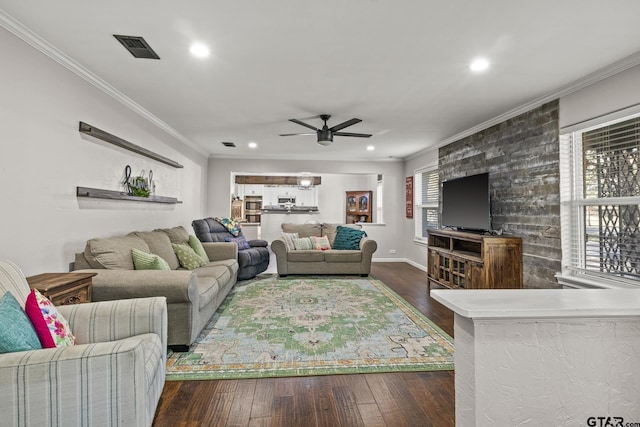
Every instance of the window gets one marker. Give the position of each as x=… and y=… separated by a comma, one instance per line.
x=600, y=201
x=379, y=198
x=426, y=194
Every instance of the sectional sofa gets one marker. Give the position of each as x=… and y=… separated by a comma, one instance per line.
x=192, y=295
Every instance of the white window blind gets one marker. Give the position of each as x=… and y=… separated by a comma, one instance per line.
x=600, y=201
x=379, y=199
x=426, y=196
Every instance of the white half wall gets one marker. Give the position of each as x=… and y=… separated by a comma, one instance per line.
x=43, y=158
x=337, y=177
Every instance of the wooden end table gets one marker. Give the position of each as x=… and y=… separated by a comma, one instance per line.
x=63, y=288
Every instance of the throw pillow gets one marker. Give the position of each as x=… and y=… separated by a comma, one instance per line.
x=303, y=244
x=240, y=241
x=16, y=331
x=288, y=240
x=321, y=243
x=188, y=258
x=52, y=328
x=197, y=247
x=348, y=238
x=145, y=261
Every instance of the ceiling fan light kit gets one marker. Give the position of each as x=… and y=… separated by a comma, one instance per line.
x=325, y=134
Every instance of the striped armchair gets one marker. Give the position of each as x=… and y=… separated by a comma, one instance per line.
x=113, y=376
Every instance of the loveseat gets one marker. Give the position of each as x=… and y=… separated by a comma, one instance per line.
x=328, y=260
x=192, y=295
x=253, y=259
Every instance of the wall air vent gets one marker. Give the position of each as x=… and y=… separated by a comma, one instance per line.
x=228, y=144
x=138, y=47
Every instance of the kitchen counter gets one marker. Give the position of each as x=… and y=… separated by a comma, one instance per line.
x=292, y=209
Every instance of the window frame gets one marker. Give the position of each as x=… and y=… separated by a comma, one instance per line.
x=419, y=235
x=573, y=203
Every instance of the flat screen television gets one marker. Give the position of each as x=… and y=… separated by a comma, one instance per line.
x=466, y=204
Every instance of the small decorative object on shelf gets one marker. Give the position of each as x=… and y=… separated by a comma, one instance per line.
x=138, y=186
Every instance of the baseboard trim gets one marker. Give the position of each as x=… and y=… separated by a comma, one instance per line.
x=408, y=261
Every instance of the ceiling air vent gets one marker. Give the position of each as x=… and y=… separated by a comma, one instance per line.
x=228, y=144
x=138, y=47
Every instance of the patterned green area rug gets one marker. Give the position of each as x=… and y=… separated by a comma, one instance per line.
x=297, y=326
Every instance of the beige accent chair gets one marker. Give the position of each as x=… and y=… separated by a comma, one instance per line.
x=113, y=376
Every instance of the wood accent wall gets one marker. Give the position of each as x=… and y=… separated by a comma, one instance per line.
x=522, y=157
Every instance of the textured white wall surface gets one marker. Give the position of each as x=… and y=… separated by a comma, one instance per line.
x=559, y=369
x=43, y=158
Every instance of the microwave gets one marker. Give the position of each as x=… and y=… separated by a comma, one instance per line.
x=283, y=201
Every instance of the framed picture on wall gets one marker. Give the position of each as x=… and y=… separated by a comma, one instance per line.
x=409, y=196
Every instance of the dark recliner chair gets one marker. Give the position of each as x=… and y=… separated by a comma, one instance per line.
x=252, y=261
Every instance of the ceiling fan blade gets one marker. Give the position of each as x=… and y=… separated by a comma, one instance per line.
x=344, y=125
x=359, y=135
x=293, y=134
x=303, y=124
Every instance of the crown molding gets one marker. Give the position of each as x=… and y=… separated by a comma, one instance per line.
x=599, y=75
x=25, y=34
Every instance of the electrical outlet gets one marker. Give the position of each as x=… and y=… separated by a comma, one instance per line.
x=392, y=251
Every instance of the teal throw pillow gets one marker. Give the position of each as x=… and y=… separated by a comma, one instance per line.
x=197, y=247
x=348, y=238
x=16, y=331
x=145, y=261
x=188, y=258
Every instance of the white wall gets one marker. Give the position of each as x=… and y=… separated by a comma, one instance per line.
x=336, y=180
x=609, y=95
x=43, y=158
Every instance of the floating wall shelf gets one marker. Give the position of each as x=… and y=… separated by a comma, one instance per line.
x=97, y=193
x=112, y=139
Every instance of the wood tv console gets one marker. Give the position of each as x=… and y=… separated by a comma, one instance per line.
x=458, y=260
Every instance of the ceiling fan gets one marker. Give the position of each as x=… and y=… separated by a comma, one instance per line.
x=326, y=134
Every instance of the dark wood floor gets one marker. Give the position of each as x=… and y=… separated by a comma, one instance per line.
x=398, y=399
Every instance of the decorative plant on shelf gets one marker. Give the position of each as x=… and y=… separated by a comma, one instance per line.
x=140, y=187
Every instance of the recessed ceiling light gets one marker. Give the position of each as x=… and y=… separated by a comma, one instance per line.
x=479, y=64
x=253, y=144
x=200, y=50
x=370, y=148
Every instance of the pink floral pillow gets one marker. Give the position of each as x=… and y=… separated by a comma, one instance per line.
x=321, y=243
x=51, y=327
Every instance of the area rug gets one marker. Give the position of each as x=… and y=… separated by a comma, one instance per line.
x=298, y=326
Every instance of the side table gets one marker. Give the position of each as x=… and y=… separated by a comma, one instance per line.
x=63, y=288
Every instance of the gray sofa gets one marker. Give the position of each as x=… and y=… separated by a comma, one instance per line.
x=192, y=295
x=332, y=261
